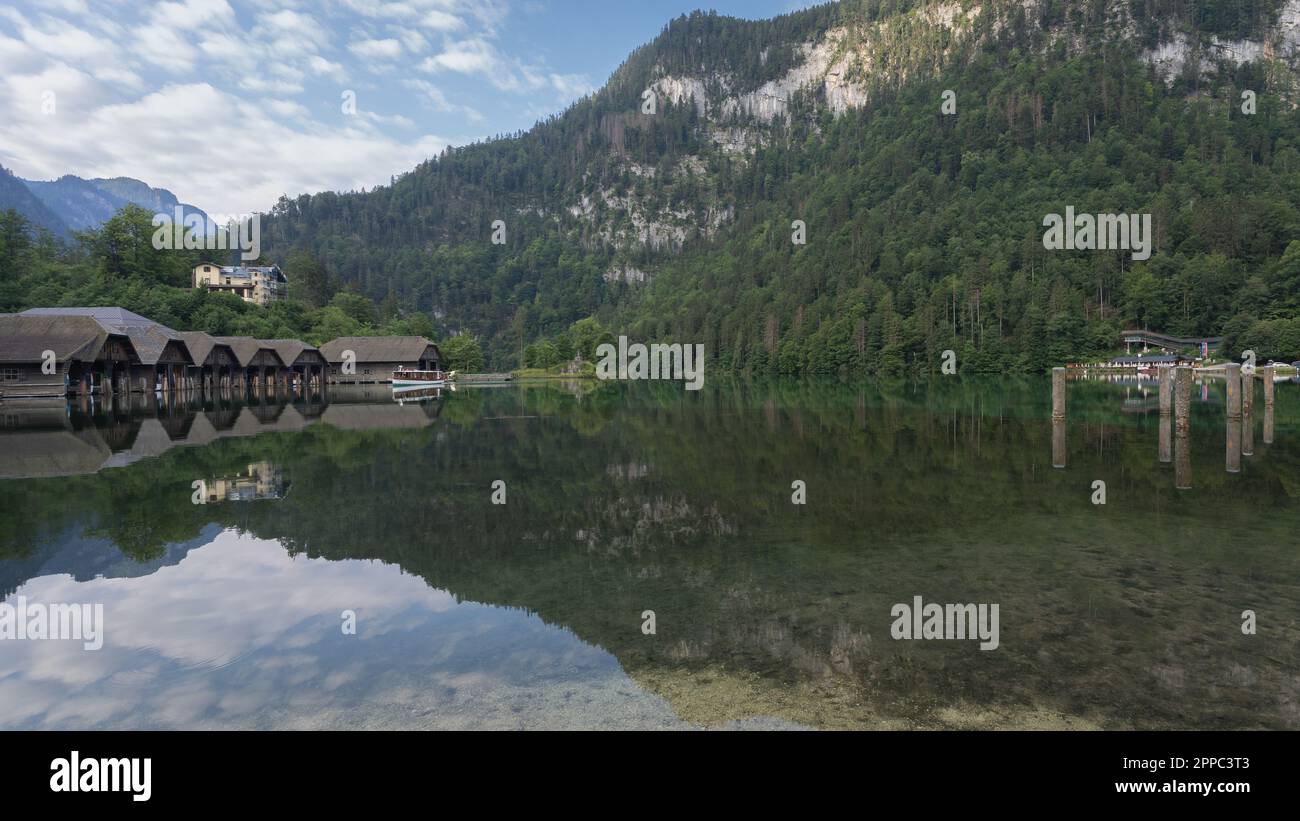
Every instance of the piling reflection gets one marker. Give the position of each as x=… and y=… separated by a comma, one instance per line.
x=1234, y=444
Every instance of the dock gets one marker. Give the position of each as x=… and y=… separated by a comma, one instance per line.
x=483, y=378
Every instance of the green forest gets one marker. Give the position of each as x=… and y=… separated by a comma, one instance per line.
x=923, y=228
x=118, y=265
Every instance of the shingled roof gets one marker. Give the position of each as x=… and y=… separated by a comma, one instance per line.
x=149, y=338
x=200, y=345
x=290, y=349
x=26, y=338
x=379, y=348
x=245, y=348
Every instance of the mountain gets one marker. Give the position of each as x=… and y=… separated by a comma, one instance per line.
x=15, y=194
x=920, y=144
x=84, y=204
x=71, y=203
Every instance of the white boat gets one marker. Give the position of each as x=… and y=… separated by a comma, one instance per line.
x=407, y=379
x=406, y=396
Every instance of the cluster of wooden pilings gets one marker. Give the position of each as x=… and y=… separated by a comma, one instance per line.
x=1176, y=417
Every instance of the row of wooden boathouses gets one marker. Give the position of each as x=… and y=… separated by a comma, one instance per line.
x=53, y=352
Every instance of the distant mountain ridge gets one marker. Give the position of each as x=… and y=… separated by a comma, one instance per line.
x=72, y=203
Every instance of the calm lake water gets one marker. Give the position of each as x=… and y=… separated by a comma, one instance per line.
x=622, y=499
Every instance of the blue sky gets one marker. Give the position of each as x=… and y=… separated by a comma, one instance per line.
x=231, y=103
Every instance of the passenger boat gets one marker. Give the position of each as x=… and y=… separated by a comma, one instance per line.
x=405, y=379
x=406, y=396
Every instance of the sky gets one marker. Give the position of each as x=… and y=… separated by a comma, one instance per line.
x=230, y=104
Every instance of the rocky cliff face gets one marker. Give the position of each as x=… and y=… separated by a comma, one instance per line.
x=846, y=66
x=843, y=68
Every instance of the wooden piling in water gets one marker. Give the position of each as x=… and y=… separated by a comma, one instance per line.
x=1182, y=400
x=1247, y=414
x=1182, y=427
x=1234, y=445
x=1234, y=391
x=1182, y=463
x=1058, y=393
x=1166, y=412
x=1058, y=443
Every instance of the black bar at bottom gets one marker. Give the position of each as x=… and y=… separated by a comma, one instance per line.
x=331, y=770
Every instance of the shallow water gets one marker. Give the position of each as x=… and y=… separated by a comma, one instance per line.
x=622, y=499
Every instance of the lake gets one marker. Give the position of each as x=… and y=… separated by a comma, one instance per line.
x=632, y=556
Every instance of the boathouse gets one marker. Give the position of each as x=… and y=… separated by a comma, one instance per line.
x=53, y=355
x=163, y=357
x=214, y=367
x=257, y=364
x=306, y=364
x=371, y=359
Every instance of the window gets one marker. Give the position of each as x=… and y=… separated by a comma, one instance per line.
x=11, y=375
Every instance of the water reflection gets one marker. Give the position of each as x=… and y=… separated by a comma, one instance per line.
x=631, y=498
x=268, y=652
x=43, y=438
x=260, y=480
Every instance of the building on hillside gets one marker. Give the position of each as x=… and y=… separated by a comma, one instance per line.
x=371, y=359
x=259, y=285
x=53, y=355
x=164, y=359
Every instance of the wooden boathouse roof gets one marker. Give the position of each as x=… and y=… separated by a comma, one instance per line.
x=201, y=345
x=289, y=350
x=150, y=339
x=24, y=338
x=380, y=348
x=246, y=348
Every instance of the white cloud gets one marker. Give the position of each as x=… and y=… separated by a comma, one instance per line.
x=319, y=65
x=439, y=20
x=295, y=28
x=388, y=49
x=175, y=137
x=167, y=91
x=162, y=46
x=433, y=96
x=476, y=56
x=473, y=56
x=70, y=43
x=572, y=86
x=413, y=41
x=192, y=13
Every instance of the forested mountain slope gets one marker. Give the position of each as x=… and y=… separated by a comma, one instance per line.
x=663, y=204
